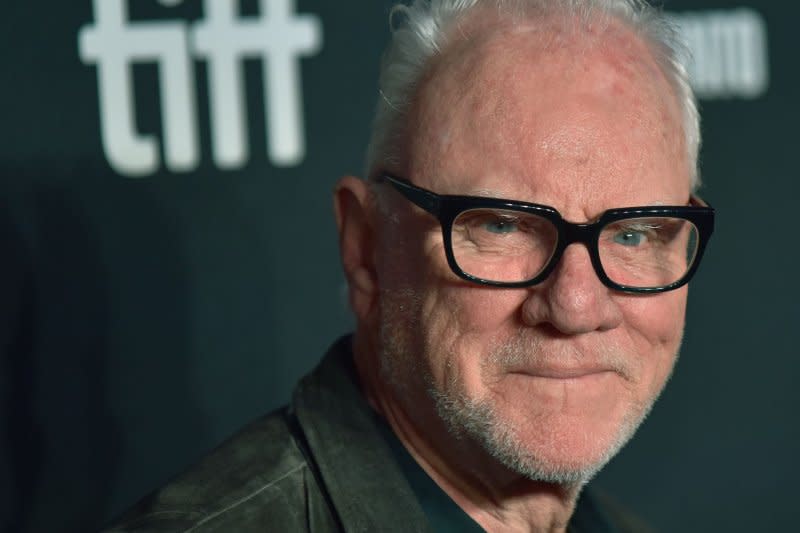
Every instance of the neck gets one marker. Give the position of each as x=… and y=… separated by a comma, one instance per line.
x=495, y=497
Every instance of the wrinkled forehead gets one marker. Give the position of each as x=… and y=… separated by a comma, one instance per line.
x=479, y=93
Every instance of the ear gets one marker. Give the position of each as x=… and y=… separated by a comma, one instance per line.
x=356, y=244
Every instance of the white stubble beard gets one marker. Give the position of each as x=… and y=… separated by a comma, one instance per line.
x=477, y=419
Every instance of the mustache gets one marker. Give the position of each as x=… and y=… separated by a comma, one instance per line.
x=529, y=349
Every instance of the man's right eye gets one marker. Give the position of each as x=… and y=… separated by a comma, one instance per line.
x=501, y=226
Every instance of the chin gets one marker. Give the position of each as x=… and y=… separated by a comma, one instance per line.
x=554, y=448
x=566, y=453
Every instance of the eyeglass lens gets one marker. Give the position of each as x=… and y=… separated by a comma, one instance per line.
x=512, y=246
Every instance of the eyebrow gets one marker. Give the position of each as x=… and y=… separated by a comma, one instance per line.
x=486, y=192
x=489, y=193
x=494, y=193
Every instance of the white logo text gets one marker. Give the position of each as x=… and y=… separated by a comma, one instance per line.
x=277, y=37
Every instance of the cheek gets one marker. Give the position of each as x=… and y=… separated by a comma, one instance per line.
x=655, y=326
x=463, y=322
x=451, y=323
x=474, y=310
x=658, y=318
x=450, y=307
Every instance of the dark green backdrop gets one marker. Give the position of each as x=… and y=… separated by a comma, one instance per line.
x=144, y=318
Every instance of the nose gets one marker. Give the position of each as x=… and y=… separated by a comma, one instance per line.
x=573, y=299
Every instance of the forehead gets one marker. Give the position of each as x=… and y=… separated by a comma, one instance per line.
x=532, y=112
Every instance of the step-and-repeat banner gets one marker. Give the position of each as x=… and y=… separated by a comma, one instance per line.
x=169, y=263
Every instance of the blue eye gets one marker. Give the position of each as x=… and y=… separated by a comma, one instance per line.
x=629, y=238
x=500, y=226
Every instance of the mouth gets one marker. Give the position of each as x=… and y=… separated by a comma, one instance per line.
x=563, y=373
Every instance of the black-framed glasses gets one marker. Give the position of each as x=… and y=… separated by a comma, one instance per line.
x=508, y=243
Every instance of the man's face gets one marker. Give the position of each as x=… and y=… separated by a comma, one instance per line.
x=550, y=379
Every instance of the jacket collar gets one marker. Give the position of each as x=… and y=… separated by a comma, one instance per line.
x=359, y=472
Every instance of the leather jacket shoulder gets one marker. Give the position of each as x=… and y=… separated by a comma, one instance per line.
x=318, y=465
x=258, y=479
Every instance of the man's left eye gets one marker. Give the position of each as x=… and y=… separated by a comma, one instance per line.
x=629, y=238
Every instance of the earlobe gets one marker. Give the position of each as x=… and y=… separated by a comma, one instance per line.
x=356, y=243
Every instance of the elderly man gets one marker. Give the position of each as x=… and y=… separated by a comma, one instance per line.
x=517, y=264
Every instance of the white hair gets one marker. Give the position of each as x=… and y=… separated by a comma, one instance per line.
x=420, y=30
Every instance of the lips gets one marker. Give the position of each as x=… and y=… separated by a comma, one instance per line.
x=564, y=359
x=561, y=372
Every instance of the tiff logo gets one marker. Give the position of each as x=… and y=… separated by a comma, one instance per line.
x=277, y=37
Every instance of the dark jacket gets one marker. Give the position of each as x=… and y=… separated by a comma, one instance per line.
x=319, y=465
